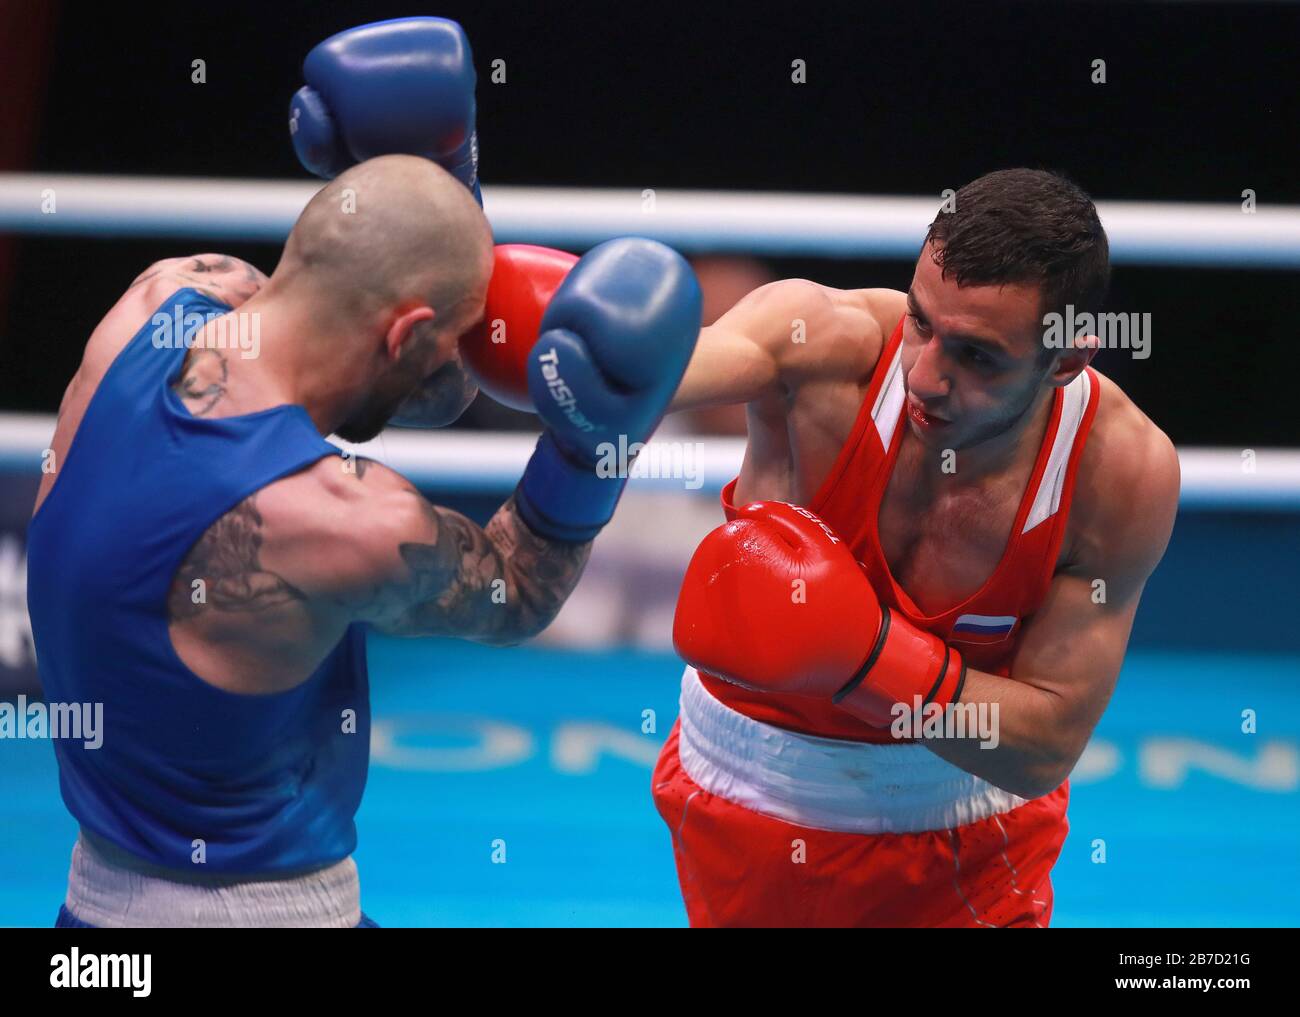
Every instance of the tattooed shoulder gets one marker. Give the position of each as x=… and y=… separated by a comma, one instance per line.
x=218, y=276
x=203, y=379
x=223, y=570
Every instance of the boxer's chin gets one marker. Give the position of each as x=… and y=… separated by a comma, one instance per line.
x=361, y=430
x=367, y=422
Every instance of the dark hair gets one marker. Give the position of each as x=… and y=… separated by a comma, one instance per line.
x=1022, y=226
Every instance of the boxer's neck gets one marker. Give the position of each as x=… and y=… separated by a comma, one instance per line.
x=302, y=356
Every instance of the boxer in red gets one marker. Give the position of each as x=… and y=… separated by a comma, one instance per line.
x=981, y=510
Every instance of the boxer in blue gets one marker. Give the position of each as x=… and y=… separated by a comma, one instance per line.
x=205, y=564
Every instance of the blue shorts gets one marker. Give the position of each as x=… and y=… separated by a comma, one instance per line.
x=67, y=920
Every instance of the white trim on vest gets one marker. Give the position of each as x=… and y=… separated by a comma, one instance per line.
x=1047, y=499
x=888, y=410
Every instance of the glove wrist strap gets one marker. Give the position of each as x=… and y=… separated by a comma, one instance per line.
x=561, y=499
x=904, y=664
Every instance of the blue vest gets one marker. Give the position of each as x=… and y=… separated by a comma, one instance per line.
x=267, y=783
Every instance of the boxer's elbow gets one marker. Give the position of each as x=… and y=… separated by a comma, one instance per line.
x=534, y=611
x=521, y=610
x=1045, y=772
x=1028, y=770
x=535, y=580
x=1049, y=758
x=517, y=630
x=1037, y=781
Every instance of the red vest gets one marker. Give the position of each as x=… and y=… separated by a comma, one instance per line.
x=986, y=626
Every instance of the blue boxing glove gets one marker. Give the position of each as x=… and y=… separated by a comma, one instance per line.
x=614, y=343
x=404, y=86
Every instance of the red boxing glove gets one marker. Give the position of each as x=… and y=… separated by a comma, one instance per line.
x=775, y=601
x=524, y=279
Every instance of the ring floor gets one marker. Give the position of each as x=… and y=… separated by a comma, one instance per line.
x=511, y=787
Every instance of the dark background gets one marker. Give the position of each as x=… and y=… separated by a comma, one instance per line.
x=1201, y=102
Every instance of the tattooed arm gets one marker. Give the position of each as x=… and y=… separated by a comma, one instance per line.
x=218, y=276
x=501, y=584
x=419, y=569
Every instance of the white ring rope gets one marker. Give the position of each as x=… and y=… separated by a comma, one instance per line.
x=762, y=223
x=824, y=225
x=491, y=462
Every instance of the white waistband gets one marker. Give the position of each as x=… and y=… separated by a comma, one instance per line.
x=112, y=897
x=826, y=783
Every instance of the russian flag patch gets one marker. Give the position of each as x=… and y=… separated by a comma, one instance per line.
x=982, y=628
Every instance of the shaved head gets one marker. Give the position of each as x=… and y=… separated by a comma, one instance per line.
x=390, y=264
x=393, y=229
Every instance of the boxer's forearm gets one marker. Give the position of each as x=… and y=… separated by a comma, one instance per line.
x=725, y=369
x=542, y=573
x=1017, y=742
x=500, y=584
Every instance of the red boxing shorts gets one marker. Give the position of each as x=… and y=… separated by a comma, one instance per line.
x=775, y=828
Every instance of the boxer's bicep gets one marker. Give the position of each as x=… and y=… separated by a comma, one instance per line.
x=1061, y=680
x=1071, y=652
x=1074, y=645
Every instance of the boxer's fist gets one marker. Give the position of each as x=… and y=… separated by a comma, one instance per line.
x=497, y=351
x=404, y=86
x=775, y=601
x=614, y=343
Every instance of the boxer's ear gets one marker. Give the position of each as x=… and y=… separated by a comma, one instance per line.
x=403, y=328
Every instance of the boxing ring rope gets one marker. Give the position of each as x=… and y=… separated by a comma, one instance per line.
x=818, y=225
x=490, y=462
x=757, y=223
